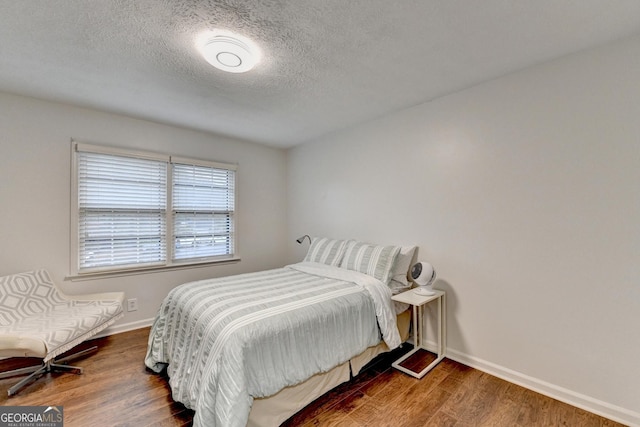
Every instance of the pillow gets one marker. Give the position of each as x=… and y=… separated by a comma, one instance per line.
x=399, y=281
x=376, y=261
x=326, y=251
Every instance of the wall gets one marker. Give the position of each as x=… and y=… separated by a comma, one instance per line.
x=35, y=170
x=524, y=193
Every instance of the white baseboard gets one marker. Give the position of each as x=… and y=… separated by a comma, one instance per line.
x=125, y=327
x=607, y=410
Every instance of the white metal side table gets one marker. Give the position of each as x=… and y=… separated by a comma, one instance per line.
x=418, y=303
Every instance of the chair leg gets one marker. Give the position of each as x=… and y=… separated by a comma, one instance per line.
x=76, y=355
x=56, y=365
x=34, y=376
x=19, y=371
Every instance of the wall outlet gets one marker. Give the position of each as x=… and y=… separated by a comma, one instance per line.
x=132, y=304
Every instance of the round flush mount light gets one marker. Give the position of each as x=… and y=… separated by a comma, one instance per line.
x=229, y=52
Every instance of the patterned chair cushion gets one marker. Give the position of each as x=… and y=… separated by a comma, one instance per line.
x=33, y=310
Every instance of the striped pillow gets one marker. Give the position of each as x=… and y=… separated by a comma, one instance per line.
x=376, y=261
x=326, y=251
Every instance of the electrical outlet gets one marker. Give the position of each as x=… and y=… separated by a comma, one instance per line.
x=132, y=304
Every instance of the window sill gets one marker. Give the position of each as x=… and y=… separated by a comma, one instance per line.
x=147, y=270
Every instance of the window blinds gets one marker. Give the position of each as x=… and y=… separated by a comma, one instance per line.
x=140, y=210
x=203, y=205
x=121, y=211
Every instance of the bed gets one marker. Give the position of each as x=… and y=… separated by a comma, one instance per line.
x=254, y=348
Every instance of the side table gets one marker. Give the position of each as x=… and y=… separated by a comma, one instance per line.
x=419, y=303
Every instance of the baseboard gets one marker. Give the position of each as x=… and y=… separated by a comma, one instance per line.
x=125, y=327
x=581, y=401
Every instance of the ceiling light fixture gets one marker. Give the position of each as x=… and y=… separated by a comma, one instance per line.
x=229, y=52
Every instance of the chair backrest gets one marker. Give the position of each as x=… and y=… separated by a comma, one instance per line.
x=26, y=293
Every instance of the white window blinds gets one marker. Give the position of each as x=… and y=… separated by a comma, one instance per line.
x=203, y=205
x=121, y=211
x=139, y=210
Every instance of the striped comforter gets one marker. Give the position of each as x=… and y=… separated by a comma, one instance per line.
x=226, y=341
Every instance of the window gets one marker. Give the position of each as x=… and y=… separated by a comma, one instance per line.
x=143, y=210
x=203, y=201
x=121, y=211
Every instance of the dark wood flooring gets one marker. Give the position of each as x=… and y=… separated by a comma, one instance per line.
x=117, y=390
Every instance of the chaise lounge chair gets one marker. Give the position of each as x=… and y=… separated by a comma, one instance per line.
x=38, y=320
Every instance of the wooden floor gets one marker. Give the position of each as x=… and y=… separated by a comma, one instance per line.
x=117, y=390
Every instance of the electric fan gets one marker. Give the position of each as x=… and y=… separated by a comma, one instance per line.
x=423, y=275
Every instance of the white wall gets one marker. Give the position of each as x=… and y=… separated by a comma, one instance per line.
x=524, y=193
x=35, y=169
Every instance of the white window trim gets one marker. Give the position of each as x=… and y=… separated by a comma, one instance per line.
x=76, y=274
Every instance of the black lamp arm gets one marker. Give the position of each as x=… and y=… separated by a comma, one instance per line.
x=301, y=239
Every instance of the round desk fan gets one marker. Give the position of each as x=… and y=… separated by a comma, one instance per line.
x=423, y=275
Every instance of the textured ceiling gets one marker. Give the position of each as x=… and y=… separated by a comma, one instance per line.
x=327, y=64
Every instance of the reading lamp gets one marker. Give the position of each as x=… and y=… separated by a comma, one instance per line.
x=423, y=275
x=301, y=239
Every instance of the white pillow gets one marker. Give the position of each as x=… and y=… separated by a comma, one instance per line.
x=326, y=251
x=399, y=281
x=374, y=260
